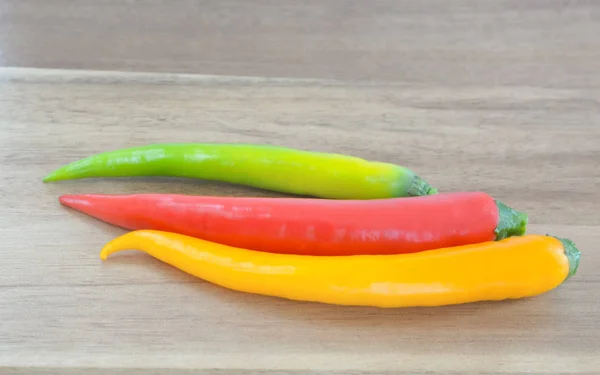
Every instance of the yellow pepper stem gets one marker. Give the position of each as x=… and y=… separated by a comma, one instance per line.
x=572, y=253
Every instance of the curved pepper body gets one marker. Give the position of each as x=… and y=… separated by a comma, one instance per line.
x=272, y=168
x=313, y=226
x=515, y=267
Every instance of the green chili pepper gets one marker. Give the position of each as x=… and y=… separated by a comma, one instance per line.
x=281, y=169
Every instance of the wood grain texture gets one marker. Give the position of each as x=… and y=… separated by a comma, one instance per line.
x=549, y=43
x=62, y=309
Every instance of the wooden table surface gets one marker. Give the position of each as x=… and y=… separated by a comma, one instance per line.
x=499, y=96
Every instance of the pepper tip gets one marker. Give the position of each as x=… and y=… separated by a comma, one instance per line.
x=120, y=243
x=52, y=176
x=103, y=255
x=68, y=200
x=108, y=249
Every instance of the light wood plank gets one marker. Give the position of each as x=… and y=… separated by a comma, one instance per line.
x=548, y=43
x=62, y=308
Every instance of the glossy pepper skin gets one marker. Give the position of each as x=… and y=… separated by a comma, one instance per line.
x=515, y=267
x=313, y=226
x=281, y=169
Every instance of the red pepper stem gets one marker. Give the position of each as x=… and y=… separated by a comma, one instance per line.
x=510, y=222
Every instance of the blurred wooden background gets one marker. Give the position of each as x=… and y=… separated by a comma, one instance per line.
x=501, y=96
x=547, y=43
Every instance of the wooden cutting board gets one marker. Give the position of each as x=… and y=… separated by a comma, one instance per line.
x=63, y=310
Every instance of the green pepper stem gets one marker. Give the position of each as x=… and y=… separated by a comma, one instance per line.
x=572, y=254
x=420, y=187
x=510, y=222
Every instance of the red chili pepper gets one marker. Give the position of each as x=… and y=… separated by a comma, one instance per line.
x=314, y=226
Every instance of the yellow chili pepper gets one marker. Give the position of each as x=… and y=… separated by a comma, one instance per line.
x=515, y=267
